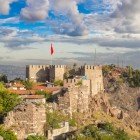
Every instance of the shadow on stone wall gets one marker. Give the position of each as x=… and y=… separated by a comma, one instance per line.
x=138, y=100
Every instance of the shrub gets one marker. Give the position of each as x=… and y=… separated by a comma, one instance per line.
x=72, y=122
x=121, y=135
x=91, y=131
x=107, y=127
x=79, y=83
x=3, y=78
x=2, y=87
x=102, y=132
x=58, y=83
x=45, y=93
x=8, y=101
x=7, y=134
x=54, y=119
x=35, y=137
x=28, y=84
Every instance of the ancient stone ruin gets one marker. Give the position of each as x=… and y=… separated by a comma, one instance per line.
x=28, y=118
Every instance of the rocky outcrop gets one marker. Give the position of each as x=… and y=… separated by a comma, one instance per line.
x=101, y=102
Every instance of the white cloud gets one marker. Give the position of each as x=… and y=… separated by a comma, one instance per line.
x=69, y=8
x=5, y=6
x=35, y=10
x=129, y=12
x=38, y=10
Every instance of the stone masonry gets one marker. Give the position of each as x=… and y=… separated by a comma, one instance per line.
x=76, y=98
x=27, y=118
x=37, y=73
x=43, y=73
x=93, y=73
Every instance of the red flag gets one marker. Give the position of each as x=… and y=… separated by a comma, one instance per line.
x=52, y=50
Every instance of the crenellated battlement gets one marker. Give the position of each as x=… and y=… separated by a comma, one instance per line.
x=72, y=81
x=92, y=67
x=58, y=66
x=37, y=66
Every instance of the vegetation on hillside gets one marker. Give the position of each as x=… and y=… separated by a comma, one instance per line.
x=55, y=118
x=104, y=131
x=7, y=134
x=58, y=83
x=35, y=137
x=126, y=75
x=7, y=100
x=28, y=84
x=132, y=77
x=3, y=78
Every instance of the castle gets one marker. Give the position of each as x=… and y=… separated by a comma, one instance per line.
x=89, y=73
x=75, y=96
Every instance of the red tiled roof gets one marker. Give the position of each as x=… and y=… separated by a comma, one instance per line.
x=39, y=87
x=22, y=92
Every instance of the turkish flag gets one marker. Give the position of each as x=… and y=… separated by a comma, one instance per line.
x=52, y=50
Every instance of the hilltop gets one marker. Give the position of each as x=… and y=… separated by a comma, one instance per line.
x=123, y=89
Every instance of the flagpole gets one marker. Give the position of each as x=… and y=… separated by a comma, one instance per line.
x=51, y=59
x=95, y=57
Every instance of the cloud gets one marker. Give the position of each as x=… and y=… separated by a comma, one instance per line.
x=9, y=20
x=38, y=10
x=5, y=6
x=129, y=12
x=16, y=39
x=69, y=8
x=35, y=10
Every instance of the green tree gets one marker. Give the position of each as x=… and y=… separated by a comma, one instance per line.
x=7, y=134
x=28, y=84
x=130, y=71
x=54, y=119
x=3, y=78
x=8, y=101
x=2, y=87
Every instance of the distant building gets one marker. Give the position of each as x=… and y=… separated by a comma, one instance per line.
x=15, y=86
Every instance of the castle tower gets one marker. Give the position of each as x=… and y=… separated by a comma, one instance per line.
x=94, y=73
x=57, y=72
x=37, y=73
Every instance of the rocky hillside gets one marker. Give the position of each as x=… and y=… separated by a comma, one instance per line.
x=123, y=91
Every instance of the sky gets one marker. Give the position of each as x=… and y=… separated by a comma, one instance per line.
x=76, y=28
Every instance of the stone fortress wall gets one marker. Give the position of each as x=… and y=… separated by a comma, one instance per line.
x=30, y=116
x=76, y=98
x=37, y=73
x=93, y=73
x=43, y=73
x=57, y=72
x=27, y=118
